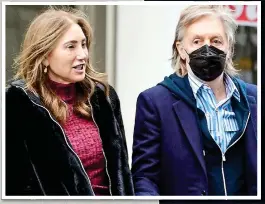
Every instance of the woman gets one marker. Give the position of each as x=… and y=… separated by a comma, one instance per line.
x=64, y=129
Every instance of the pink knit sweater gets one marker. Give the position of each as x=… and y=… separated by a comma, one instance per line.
x=84, y=137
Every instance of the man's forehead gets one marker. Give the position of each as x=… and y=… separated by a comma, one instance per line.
x=205, y=34
x=210, y=22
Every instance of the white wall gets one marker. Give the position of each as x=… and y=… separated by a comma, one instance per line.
x=145, y=35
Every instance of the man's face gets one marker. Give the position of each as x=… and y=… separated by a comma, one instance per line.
x=206, y=30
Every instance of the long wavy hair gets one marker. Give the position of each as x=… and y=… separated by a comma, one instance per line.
x=41, y=38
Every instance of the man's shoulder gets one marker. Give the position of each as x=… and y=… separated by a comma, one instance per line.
x=251, y=90
x=251, y=87
x=156, y=93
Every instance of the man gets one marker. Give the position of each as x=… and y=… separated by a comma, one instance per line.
x=196, y=131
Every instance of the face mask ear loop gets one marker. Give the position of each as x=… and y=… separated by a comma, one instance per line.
x=185, y=51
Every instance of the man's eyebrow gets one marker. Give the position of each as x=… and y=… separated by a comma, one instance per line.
x=196, y=36
x=212, y=36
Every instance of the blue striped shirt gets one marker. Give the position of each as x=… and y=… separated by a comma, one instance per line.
x=220, y=117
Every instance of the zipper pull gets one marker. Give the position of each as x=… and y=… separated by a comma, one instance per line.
x=203, y=152
x=224, y=158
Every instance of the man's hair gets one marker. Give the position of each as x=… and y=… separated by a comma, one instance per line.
x=194, y=13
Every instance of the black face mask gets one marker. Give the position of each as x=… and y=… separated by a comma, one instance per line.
x=207, y=62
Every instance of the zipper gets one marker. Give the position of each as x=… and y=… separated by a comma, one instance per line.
x=65, y=188
x=223, y=155
x=223, y=174
x=82, y=167
x=102, y=148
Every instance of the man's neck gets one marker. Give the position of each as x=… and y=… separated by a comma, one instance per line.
x=218, y=87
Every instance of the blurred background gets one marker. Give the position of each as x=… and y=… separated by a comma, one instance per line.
x=132, y=44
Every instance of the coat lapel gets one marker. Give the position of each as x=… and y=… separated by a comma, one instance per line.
x=187, y=118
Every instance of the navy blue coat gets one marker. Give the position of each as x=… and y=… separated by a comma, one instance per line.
x=167, y=148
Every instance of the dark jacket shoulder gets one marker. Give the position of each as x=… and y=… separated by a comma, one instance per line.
x=155, y=92
x=252, y=90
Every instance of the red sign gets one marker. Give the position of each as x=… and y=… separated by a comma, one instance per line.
x=245, y=14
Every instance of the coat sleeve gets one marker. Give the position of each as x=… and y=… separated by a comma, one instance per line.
x=17, y=159
x=115, y=103
x=146, y=147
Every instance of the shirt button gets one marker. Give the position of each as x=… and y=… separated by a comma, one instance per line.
x=203, y=192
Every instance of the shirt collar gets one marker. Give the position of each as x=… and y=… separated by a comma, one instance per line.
x=197, y=84
x=231, y=88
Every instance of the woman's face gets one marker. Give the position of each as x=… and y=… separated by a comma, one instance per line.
x=68, y=59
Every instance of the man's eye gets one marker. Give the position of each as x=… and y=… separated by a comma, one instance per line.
x=196, y=41
x=70, y=46
x=216, y=41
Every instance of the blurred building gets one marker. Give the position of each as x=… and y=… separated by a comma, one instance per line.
x=246, y=47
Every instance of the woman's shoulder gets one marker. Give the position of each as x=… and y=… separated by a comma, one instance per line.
x=16, y=91
x=111, y=94
x=15, y=87
x=110, y=89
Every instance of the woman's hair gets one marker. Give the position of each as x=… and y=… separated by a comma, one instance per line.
x=41, y=38
x=194, y=13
